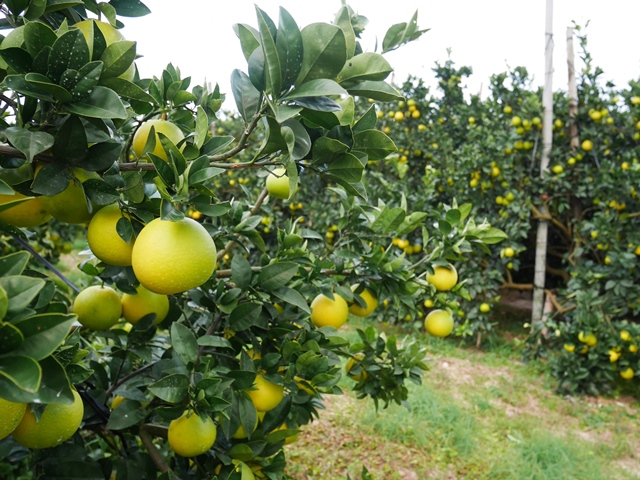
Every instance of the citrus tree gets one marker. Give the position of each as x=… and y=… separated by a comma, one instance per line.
x=232, y=302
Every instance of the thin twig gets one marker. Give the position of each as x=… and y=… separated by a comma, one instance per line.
x=127, y=378
x=144, y=433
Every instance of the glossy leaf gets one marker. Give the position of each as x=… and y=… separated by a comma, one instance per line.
x=18, y=59
x=325, y=52
x=31, y=143
x=245, y=94
x=71, y=141
x=272, y=68
x=52, y=179
x=127, y=414
x=366, y=66
x=249, y=38
x=21, y=291
x=377, y=90
x=297, y=140
x=375, y=144
x=292, y=297
x=87, y=79
x=289, y=47
x=102, y=103
x=319, y=87
x=23, y=371
x=184, y=343
x=277, y=275
x=10, y=337
x=118, y=57
x=126, y=89
x=401, y=33
x=343, y=20
x=102, y=155
x=172, y=388
x=241, y=271
x=14, y=263
x=244, y=316
x=70, y=51
x=42, y=333
x=100, y=192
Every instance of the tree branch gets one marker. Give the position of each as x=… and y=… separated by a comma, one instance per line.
x=126, y=378
x=144, y=433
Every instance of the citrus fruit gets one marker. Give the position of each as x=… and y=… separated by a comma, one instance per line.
x=97, y=307
x=27, y=214
x=171, y=257
x=111, y=35
x=352, y=363
x=485, y=307
x=71, y=205
x=145, y=302
x=170, y=130
x=443, y=278
x=587, y=145
x=103, y=238
x=278, y=183
x=266, y=395
x=509, y=252
x=117, y=400
x=10, y=415
x=191, y=435
x=627, y=374
x=569, y=347
x=369, y=299
x=57, y=424
x=329, y=313
x=439, y=323
x=240, y=433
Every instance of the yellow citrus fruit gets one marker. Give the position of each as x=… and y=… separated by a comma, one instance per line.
x=111, y=35
x=172, y=257
x=569, y=347
x=507, y=109
x=485, y=307
x=27, y=214
x=103, y=238
x=57, y=424
x=398, y=116
x=439, y=323
x=170, y=130
x=625, y=335
x=627, y=374
x=329, y=313
x=98, y=307
x=303, y=384
x=509, y=252
x=587, y=145
x=352, y=363
x=11, y=414
x=71, y=205
x=145, y=302
x=369, y=299
x=516, y=121
x=266, y=395
x=278, y=183
x=443, y=278
x=240, y=433
x=117, y=400
x=191, y=435
x=428, y=303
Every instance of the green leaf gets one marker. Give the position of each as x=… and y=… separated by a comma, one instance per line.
x=491, y=236
x=411, y=222
x=71, y=141
x=184, y=343
x=118, y=57
x=366, y=122
x=36, y=89
x=43, y=333
x=373, y=143
x=283, y=113
x=18, y=59
x=10, y=337
x=453, y=216
x=35, y=10
x=214, y=341
x=256, y=69
x=402, y=33
x=332, y=155
x=21, y=291
x=289, y=47
x=127, y=89
x=325, y=52
x=292, y=297
x=343, y=20
x=315, y=88
x=14, y=263
x=102, y=155
x=28, y=142
x=172, y=388
x=22, y=371
x=127, y=414
x=102, y=103
x=272, y=68
x=100, y=192
x=56, y=5
x=87, y=79
x=52, y=179
x=246, y=96
x=365, y=66
x=244, y=316
x=130, y=8
x=380, y=91
x=202, y=128
x=388, y=220
x=241, y=272
x=277, y=275
x=297, y=140
x=248, y=37
x=70, y=51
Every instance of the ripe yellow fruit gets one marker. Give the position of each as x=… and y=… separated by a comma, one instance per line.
x=569, y=347
x=71, y=205
x=351, y=363
x=507, y=109
x=172, y=257
x=239, y=434
x=170, y=130
x=278, y=183
x=103, y=238
x=627, y=374
x=633, y=348
x=398, y=116
x=516, y=121
x=30, y=213
x=111, y=35
x=191, y=435
x=625, y=336
x=266, y=395
x=117, y=400
x=428, y=303
x=587, y=145
x=443, y=278
x=557, y=169
x=11, y=414
x=485, y=307
x=614, y=356
x=57, y=424
x=370, y=300
x=145, y=302
x=509, y=252
x=97, y=307
x=589, y=339
x=439, y=323
x=329, y=313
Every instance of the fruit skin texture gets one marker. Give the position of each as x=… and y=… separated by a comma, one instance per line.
x=27, y=214
x=172, y=257
x=71, y=205
x=439, y=323
x=171, y=130
x=57, y=424
x=103, y=238
x=370, y=300
x=266, y=395
x=11, y=414
x=191, y=435
x=134, y=307
x=278, y=183
x=443, y=278
x=329, y=313
x=98, y=307
x=111, y=35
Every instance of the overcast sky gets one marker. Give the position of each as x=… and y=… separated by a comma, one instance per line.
x=488, y=35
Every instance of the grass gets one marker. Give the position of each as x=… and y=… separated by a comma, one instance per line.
x=478, y=415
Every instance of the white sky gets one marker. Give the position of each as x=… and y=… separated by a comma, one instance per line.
x=488, y=35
